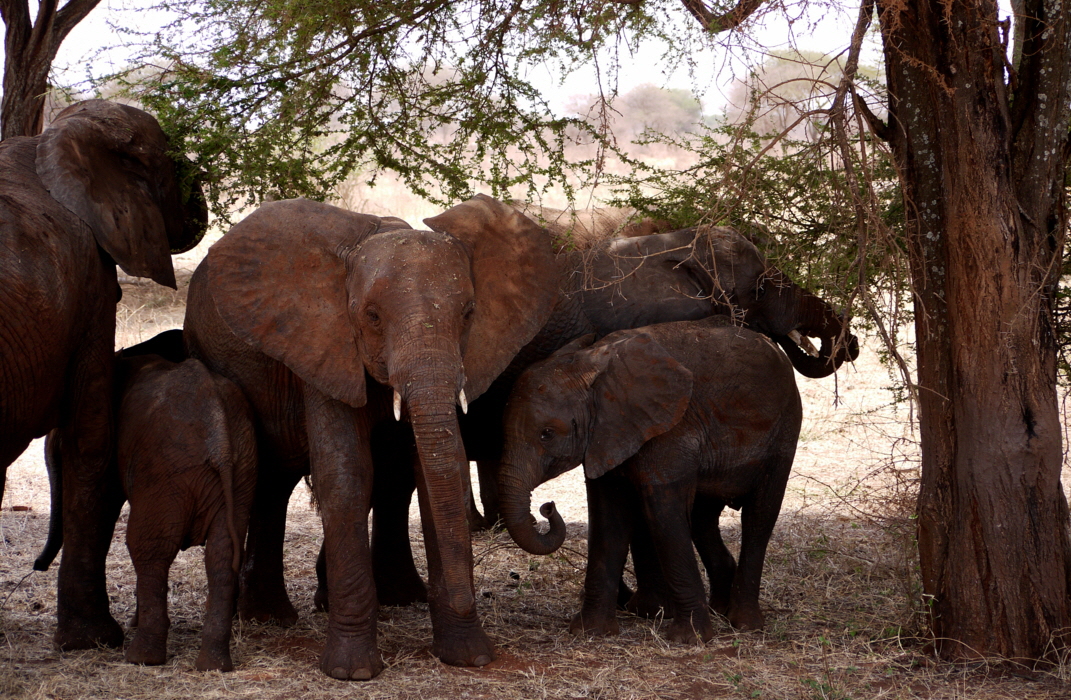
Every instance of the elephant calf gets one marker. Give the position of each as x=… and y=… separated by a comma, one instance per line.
x=186, y=456
x=670, y=421
x=187, y=461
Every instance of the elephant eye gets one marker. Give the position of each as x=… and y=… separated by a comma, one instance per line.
x=470, y=309
x=760, y=292
x=547, y=435
x=371, y=315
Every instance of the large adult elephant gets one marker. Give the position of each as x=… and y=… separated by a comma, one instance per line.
x=677, y=276
x=100, y=186
x=334, y=323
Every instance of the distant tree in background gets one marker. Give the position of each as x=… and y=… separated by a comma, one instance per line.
x=30, y=46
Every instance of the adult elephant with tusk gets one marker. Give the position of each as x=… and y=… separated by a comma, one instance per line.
x=335, y=323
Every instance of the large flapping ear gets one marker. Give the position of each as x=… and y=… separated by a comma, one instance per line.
x=515, y=280
x=108, y=163
x=278, y=279
x=640, y=392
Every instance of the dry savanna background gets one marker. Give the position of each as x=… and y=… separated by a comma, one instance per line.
x=841, y=590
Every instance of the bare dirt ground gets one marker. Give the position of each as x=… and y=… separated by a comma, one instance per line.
x=841, y=592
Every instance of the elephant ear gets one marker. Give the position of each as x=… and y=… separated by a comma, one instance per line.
x=515, y=281
x=108, y=164
x=639, y=392
x=278, y=279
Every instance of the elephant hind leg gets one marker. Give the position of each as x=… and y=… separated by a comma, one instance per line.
x=149, y=646
x=215, y=652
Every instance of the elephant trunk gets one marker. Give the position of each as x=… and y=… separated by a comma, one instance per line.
x=817, y=319
x=515, y=501
x=430, y=394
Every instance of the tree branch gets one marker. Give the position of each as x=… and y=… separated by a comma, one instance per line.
x=877, y=126
x=721, y=23
x=70, y=15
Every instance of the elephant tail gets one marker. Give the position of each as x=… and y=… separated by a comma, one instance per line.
x=221, y=451
x=55, y=518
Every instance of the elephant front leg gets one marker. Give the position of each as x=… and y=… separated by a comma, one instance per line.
x=342, y=478
x=609, y=532
x=92, y=498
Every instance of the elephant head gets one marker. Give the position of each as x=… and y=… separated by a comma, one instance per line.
x=110, y=165
x=433, y=315
x=717, y=265
x=595, y=405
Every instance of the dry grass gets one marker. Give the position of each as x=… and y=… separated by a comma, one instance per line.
x=840, y=593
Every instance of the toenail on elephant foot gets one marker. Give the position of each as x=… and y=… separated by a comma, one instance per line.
x=350, y=658
x=469, y=648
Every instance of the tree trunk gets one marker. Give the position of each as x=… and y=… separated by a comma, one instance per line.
x=983, y=185
x=29, y=50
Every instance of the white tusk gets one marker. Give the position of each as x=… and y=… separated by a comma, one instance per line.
x=397, y=405
x=804, y=342
x=463, y=401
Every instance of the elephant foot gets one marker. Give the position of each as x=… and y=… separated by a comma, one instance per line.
x=747, y=617
x=350, y=658
x=650, y=605
x=468, y=646
x=214, y=659
x=261, y=606
x=147, y=649
x=691, y=629
x=594, y=625
x=73, y=633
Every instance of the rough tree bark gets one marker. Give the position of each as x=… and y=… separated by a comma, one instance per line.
x=982, y=161
x=29, y=49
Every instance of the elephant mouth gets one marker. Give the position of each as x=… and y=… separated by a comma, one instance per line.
x=804, y=342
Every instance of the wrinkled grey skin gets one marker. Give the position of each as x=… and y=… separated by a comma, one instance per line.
x=335, y=324
x=186, y=462
x=678, y=276
x=664, y=418
x=98, y=187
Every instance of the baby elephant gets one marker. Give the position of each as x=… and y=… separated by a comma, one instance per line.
x=187, y=461
x=681, y=415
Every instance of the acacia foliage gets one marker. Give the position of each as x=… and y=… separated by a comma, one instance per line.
x=288, y=97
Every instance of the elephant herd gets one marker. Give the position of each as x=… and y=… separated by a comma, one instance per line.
x=377, y=360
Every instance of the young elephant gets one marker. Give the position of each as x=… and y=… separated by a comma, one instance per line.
x=187, y=461
x=682, y=415
x=186, y=458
